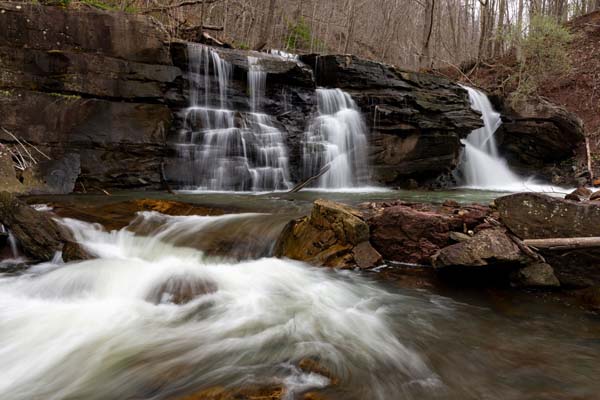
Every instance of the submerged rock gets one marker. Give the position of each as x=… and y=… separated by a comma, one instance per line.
x=535, y=275
x=37, y=233
x=580, y=194
x=334, y=235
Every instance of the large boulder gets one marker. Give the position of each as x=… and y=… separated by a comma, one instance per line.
x=36, y=232
x=487, y=247
x=492, y=257
x=544, y=140
x=416, y=120
x=538, y=216
x=334, y=235
x=412, y=233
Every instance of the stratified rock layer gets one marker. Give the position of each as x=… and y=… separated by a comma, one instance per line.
x=85, y=87
x=417, y=119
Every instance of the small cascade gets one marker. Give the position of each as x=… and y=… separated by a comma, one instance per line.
x=482, y=167
x=14, y=246
x=221, y=149
x=336, y=137
x=271, y=171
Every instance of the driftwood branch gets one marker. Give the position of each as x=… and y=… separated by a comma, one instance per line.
x=178, y=5
x=313, y=178
x=206, y=27
x=564, y=243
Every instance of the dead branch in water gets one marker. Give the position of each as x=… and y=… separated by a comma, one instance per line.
x=564, y=243
x=313, y=178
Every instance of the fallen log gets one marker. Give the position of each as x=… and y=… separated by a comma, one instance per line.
x=564, y=243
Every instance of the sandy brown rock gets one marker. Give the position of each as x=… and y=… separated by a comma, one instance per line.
x=334, y=235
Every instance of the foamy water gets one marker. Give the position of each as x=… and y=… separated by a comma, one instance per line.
x=153, y=317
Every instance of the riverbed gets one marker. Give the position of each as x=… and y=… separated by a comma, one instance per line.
x=177, y=305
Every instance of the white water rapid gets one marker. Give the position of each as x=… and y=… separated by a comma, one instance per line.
x=153, y=320
x=221, y=149
x=337, y=137
x=154, y=317
x=482, y=166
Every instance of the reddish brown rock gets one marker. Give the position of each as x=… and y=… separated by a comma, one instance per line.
x=580, y=194
x=412, y=233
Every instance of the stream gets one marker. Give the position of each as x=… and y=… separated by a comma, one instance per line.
x=156, y=316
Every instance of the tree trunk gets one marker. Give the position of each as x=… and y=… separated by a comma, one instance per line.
x=425, y=56
x=350, y=24
x=265, y=32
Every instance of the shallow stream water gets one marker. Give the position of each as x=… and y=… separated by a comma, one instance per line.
x=157, y=316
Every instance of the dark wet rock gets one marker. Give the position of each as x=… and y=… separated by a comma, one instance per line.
x=539, y=216
x=589, y=297
x=181, y=290
x=412, y=233
x=490, y=247
x=84, y=86
x=72, y=251
x=535, y=275
x=542, y=139
x=99, y=143
x=37, y=233
x=334, y=235
x=417, y=120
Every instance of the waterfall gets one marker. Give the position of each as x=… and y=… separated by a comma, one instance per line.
x=221, y=149
x=337, y=137
x=482, y=166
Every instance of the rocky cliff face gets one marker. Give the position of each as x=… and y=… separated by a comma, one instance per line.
x=88, y=89
x=416, y=120
x=543, y=140
x=101, y=94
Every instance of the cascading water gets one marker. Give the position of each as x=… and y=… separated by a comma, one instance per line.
x=221, y=150
x=336, y=138
x=482, y=166
x=272, y=171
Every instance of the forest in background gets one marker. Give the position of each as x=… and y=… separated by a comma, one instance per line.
x=412, y=34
